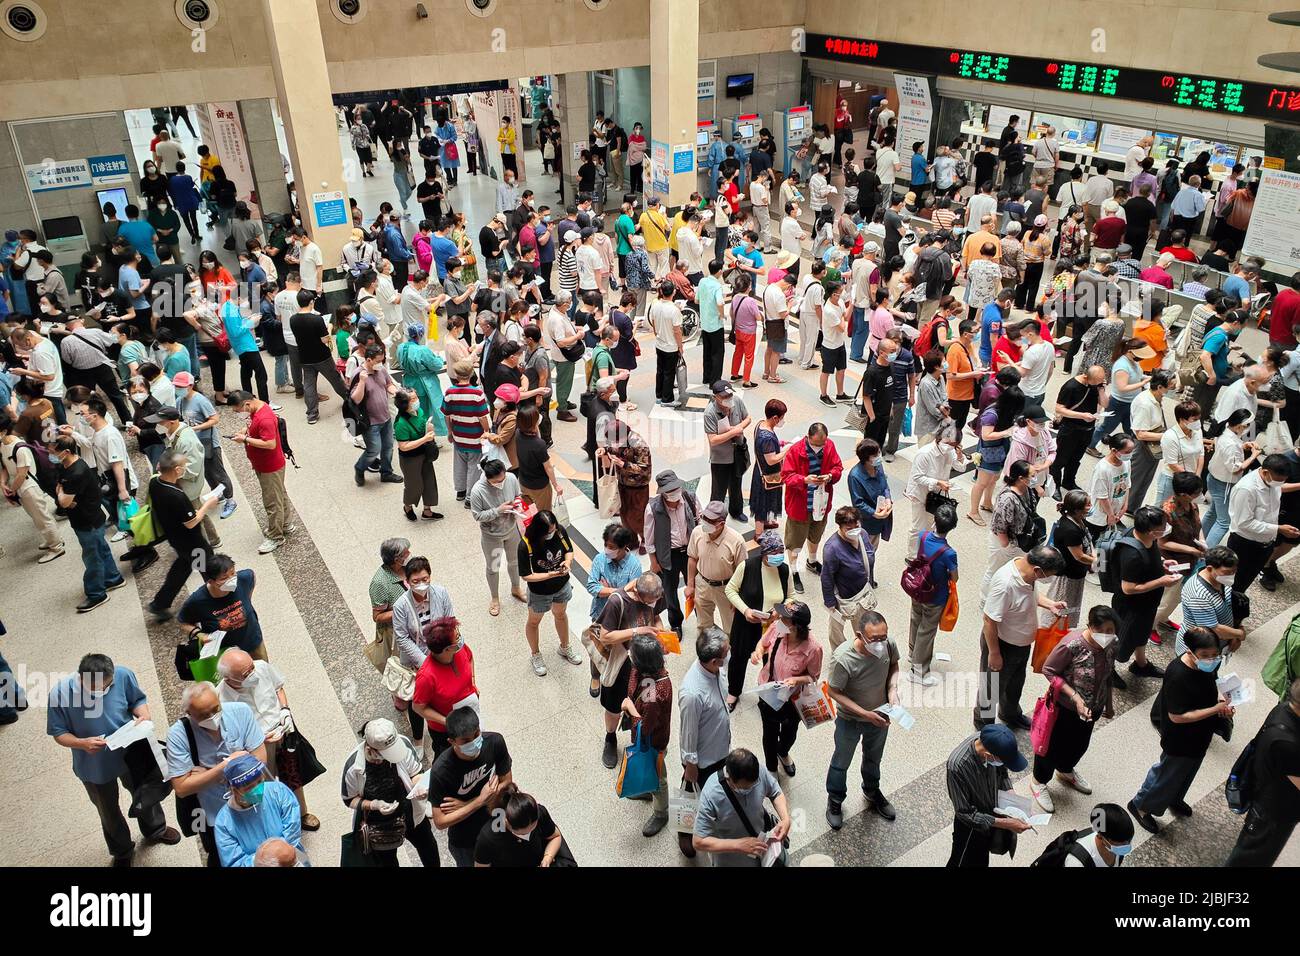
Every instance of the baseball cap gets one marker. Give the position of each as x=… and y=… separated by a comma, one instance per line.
x=571, y=236
x=1035, y=413
x=165, y=414
x=871, y=247
x=667, y=480
x=714, y=511
x=769, y=542
x=507, y=392
x=1040, y=220
x=797, y=613
x=381, y=736
x=723, y=388
x=183, y=380
x=1000, y=741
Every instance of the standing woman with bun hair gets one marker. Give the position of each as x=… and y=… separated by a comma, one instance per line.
x=1071, y=537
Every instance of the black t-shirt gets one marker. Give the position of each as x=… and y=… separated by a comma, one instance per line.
x=532, y=454
x=489, y=242
x=1277, y=757
x=759, y=161
x=1067, y=535
x=452, y=776
x=880, y=387
x=171, y=509
x=308, y=330
x=893, y=227
x=547, y=555
x=1077, y=397
x=587, y=178
x=81, y=482
x=985, y=164
x=1139, y=212
x=1186, y=689
x=116, y=305
x=167, y=295
x=497, y=846
x=499, y=374
x=1138, y=565
x=85, y=282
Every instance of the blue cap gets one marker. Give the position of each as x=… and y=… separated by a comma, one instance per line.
x=1000, y=741
x=243, y=770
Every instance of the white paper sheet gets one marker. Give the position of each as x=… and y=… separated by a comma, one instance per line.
x=1020, y=808
x=774, y=694
x=128, y=734
x=214, y=493
x=943, y=658
x=898, y=715
x=213, y=645
x=420, y=786
x=1238, y=692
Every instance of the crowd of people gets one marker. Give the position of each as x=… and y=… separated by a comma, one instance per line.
x=937, y=298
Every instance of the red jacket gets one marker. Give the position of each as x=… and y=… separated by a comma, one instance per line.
x=794, y=468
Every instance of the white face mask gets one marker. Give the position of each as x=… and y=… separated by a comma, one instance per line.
x=854, y=534
x=1104, y=640
x=229, y=584
x=1225, y=579
x=421, y=588
x=211, y=723
x=878, y=648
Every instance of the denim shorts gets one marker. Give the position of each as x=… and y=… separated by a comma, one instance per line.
x=541, y=603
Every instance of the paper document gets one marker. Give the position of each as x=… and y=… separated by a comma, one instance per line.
x=214, y=493
x=213, y=645
x=774, y=848
x=420, y=786
x=775, y=694
x=1020, y=808
x=943, y=658
x=898, y=714
x=128, y=734
x=1236, y=690
x=1179, y=567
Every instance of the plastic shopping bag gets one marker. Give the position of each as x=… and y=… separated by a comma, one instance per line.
x=815, y=705
x=951, y=610
x=126, y=510
x=638, y=773
x=1046, y=639
x=682, y=805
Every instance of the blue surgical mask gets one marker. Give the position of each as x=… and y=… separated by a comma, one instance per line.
x=776, y=560
x=1207, y=666
x=995, y=763
x=254, y=797
x=1122, y=849
x=473, y=748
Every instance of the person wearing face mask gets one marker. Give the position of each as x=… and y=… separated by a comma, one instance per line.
x=465, y=781
x=811, y=465
x=1126, y=382
x=78, y=493
x=529, y=837
x=166, y=223
x=754, y=589
x=261, y=441
x=84, y=709
x=1108, y=488
x=1230, y=461
x=1182, y=448
x=176, y=515
x=377, y=778
x=725, y=421
x=1105, y=843
x=870, y=494
x=977, y=770
x=732, y=823
x=1206, y=601
x=670, y=517
x=492, y=503
x=1082, y=663
x=445, y=681
x=715, y=552
x=1010, y=625
x=1184, y=543
x=545, y=556
x=371, y=388
x=1254, y=510
x=863, y=678
x=932, y=546
x=1033, y=443
x=259, y=808
x=224, y=605
x=207, y=737
x=931, y=472
x=1077, y=404
x=1191, y=707
x=1141, y=574
x=794, y=659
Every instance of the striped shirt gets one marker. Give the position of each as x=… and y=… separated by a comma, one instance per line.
x=973, y=786
x=85, y=348
x=465, y=406
x=567, y=267
x=1203, y=606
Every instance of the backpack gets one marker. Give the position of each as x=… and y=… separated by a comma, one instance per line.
x=1063, y=847
x=284, y=440
x=46, y=472
x=1241, y=787
x=918, y=576
x=1107, y=552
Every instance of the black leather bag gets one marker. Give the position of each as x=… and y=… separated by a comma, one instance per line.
x=934, y=499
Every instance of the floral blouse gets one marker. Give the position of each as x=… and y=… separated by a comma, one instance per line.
x=1086, y=669
x=1099, y=343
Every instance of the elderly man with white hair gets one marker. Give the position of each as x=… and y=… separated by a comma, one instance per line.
x=259, y=685
x=257, y=809
x=208, y=736
x=562, y=340
x=278, y=852
x=1243, y=393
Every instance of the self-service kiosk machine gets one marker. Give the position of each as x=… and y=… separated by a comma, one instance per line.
x=747, y=125
x=790, y=127
x=703, y=138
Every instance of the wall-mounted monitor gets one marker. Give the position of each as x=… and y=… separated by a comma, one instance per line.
x=116, y=196
x=702, y=138
x=740, y=84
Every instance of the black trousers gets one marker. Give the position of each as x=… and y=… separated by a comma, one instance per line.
x=251, y=366
x=1261, y=840
x=666, y=374
x=1252, y=556
x=216, y=365
x=1081, y=327
x=715, y=352
x=878, y=428
x=191, y=219
x=959, y=408
x=508, y=162
x=401, y=272
x=671, y=575
x=1071, y=735
x=1005, y=684
x=726, y=482
x=970, y=848
x=1027, y=290
x=1291, y=412
x=117, y=834
x=191, y=556
x=103, y=378
x=780, y=728
x=420, y=837
x=1071, y=443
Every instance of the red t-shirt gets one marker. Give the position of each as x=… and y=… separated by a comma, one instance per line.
x=1005, y=352
x=1181, y=253
x=264, y=427
x=1284, y=317
x=1110, y=232
x=443, y=686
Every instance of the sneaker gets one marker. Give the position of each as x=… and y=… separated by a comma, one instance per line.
x=1075, y=781
x=90, y=604
x=228, y=507
x=358, y=442
x=539, y=666
x=735, y=378
x=460, y=496
x=814, y=566
x=392, y=478
x=834, y=815
x=275, y=407
x=924, y=680
x=609, y=753
x=1267, y=583
x=268, y=545
x=798, y=583
x=360, y=477
x=1146, y=670
x=117, y=536
x=159, y=615
x=312, y=421
x=1042, y=797
x=169, y=836
x=842, y=398
x=114, y=585
x=889, y=457
x=49, y=556
x=569, y=654
x=827, y=400
x=1117, y=681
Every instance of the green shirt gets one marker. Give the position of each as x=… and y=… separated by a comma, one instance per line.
x=341, y=343
x=133, y=351
x=624, y=227
x=707, y=295
x=601, y=359
x=409, y=427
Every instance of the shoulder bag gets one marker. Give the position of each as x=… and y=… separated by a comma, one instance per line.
x=769, y=821
x=189, y=812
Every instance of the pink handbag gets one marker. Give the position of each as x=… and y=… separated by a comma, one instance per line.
x=1045, y=712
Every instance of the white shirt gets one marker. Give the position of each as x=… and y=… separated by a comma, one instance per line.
x=883, y=118
x=386, y=293
x=665, y=316
x=259, y=693
x=1178, y=448
x=759, y=194
x=45, y=359
x=590, y=262
x=309, y=263
x=1233, y=397
x=860, y=275
x=414, y=306
x=933, y=463
x=807, y=299
x=1147, y=414
x=1227, y=458
x=26, y=256
x=691, y=249
x=1070, y=194
x=791, y=235
x=1013, y=605
x=775, y=304
x=1112, y=482
x=1098, y=189
x=1253, y=508
x=1039, y=362
x=832, y=329
x=980, y=205
x=1089, y=844
x=109, y=447
x=886, y=161
x=286, y=307
x=169, y=153
x=1133, y=161
x=557, y=326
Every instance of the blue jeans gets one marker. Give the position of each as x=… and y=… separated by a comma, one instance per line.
x=1164, y=486
x=847, y=734
x=191, y=343
x=1117, y=414
x=1167, y=782
x=379, y=446
x=101, y=568
x=861, y=332
x=1215, y=523
x=11, y=692
x=281, y=370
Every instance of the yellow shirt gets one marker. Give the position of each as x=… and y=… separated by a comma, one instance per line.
x=205, y=167
x=506, y=138
x=679, y=220
x=653, y=229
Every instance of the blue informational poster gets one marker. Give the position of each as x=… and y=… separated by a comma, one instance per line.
x=329, y=209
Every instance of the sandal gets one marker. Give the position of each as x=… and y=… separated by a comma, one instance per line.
x=777, y=381
x=976, y=519
x=494, y=608
x=519, y=596
x=629, y=406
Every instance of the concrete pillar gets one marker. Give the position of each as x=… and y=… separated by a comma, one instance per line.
x=573, y=110
x=264, y=153
x=303, y=89
x=674, y=67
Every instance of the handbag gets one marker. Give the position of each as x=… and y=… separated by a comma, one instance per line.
x=126, y=510
x=682, y=807
x=1046, y=639
x=743, y=459
x=142, y=528
x=1046, y=710
x=397, y=679
x=951, y=610
x=1277, y=438
x=639, y=770
x=560, y=509
x=380, y=649
x=295, y=750
x=451, y=153
x=387, y=835
x=815, y=705
x=907, y=422
x=933, y=499
x=597, y=650
x=768, y=823
x=607, y=493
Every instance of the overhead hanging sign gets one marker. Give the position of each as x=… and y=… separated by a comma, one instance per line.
x=52, y=174
x=915, y=112
x=1274, y=231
